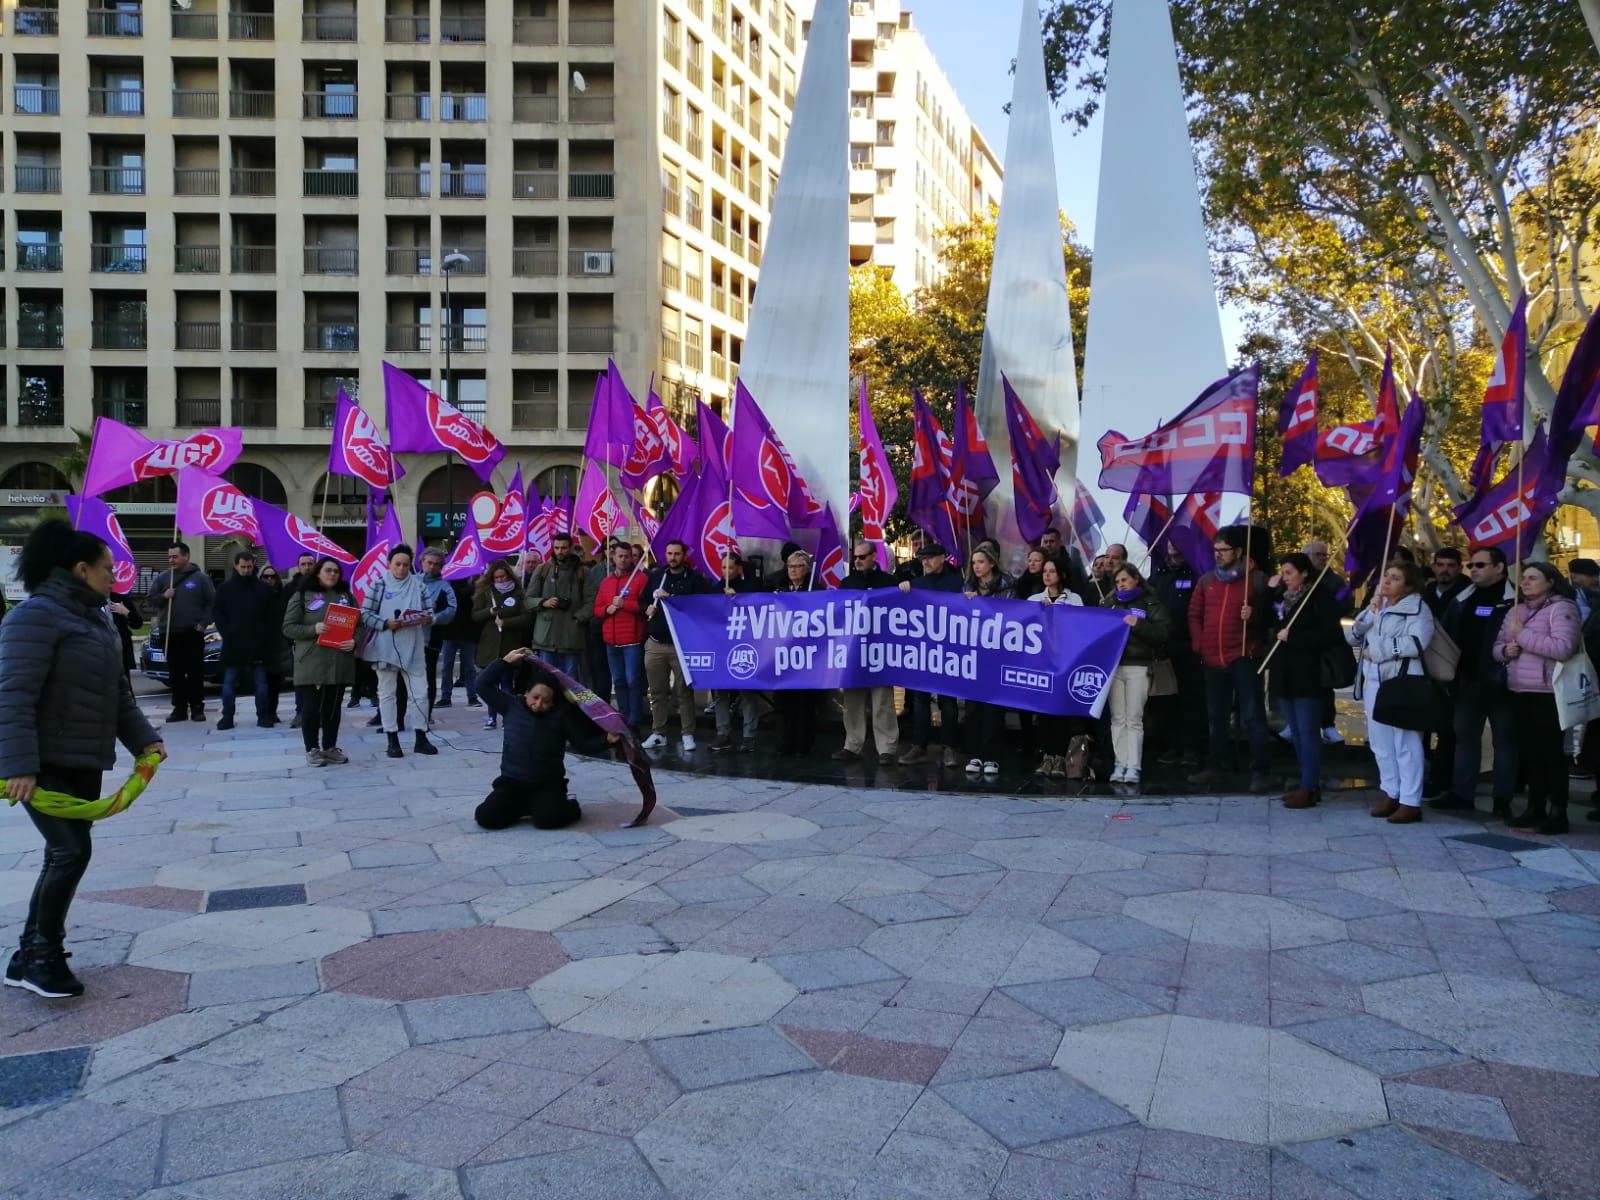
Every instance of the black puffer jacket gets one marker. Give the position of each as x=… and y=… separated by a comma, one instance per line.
x=250, y=620
x=64, y=700
x=535, y=743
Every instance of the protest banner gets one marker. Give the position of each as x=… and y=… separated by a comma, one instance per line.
x=1012, y=653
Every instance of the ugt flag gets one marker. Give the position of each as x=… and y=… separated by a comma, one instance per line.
x=285, y=537
x=597, y=515
x=357, y=449
x=421, y=422
x=468, y=560
x=209, y=506
x=95, y=516
x=119, y=455
x=1209, y=447
x=508, y=534
x=1297, y=422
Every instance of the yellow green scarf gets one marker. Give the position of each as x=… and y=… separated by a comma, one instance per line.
x=59, y=804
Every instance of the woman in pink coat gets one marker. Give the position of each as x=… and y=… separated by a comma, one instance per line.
x=1540, y=632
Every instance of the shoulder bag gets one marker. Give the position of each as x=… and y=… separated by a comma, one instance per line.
x=1410, y=702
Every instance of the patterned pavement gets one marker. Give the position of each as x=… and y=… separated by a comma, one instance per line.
x=329, y=983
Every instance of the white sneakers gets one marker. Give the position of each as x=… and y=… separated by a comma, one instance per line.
x=654, y=742
x=975, y=766
x=1122, y=774
x=688, y=743
x=990, y=768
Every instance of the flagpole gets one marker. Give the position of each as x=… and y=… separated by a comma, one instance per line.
x=322, y=513
x=1150, y=549
x=1295, y=616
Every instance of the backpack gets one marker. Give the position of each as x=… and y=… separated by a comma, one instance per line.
x=1441, y=656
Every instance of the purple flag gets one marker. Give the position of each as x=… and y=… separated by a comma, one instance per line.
x=766, y=486
x=679, y=445
x=469, y=559
x=1578, y=400
x=1209, y=447
x=877, y=491
x=119, y=455
x=383, y=522
x=610, y=436
x=1381, y=514
x=1034, y=463
x=701, y=519
x=93, y=515
x=285, y=537
x=564, y=511
x=422, y=422
x=212, y=507
x=972, y=472
x=1193, y=533
x=1148, y=517
x=1502, y=398
x=1297, y=422
x=1087, y=521
x=714, y=438
x=929, y=504
x=357, y=449
x=1512, y=514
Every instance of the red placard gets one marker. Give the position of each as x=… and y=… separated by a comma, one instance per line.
x=341, y=620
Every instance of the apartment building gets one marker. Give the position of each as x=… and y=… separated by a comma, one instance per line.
x=918, y=163
x=219, y=212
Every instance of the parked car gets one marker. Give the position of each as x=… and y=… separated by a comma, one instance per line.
x=153, y=658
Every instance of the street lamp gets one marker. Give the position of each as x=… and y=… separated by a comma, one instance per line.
x=452, y=262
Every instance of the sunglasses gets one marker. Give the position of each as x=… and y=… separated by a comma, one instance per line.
x=859, y=557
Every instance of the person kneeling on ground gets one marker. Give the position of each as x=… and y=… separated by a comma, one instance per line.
x=538, y=725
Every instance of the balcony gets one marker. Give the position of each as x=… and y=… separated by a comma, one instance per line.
x=477, y=260
x=405, y=29
x=193, y=26
x=117, y=257
x=673, y=52
x=331, y=182
x=328, y=106
x=119, y=408
x=41, y=411
x=719, y=367
x=736, y=308
x=591, y=185
x=331, y=260
x=255, y=413
x=119, y=335
x=332, y=337
x=38, y=179
x=694, y=287
x=328, y=27
x=407, y=182
x=527, y=185
x=534, y=339
x=591, y=110
x=252, y=106
x=469, y=184
x=116, y=22
x=319, y=414
x=252, y=181
x=254, y=336
x=672, y=127
x=671, y=276
x=591, y=32
x=197, y=335
x=408, y=260
x=408, y=338
x=534, y=414
x=591, y=339
x=462, y=29
x=408, y=106
x=534, y=31
x=752, y=251
x=530, y=261
x=590, y=262
x=735, y=242
x=39, y=256
x=198, y=414
x=719, y=232
x=116, y=181
x=466, y=339
x=253, y=260
x=192, y=103
x=39, y=333
x=252, y=26
x=116, y=102
x=196, y=260
x=37, y=22
x=671, y=348
x=463, y=106
x=196, y=181
x=36, y=99
x=536, y=108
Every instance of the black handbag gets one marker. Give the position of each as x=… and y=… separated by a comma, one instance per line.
x=1336, y=668
x=1409, y=702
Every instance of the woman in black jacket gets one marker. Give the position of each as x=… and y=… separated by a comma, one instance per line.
x=797, y=707
x=63, y=707
x=1308, y=628
x=125, y=615
x=985, y=725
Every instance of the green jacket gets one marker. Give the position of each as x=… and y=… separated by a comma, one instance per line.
x=564, y=629
x=314, y=665
x=497, y=641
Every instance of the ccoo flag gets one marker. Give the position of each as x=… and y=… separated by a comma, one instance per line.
x=1297, y=422
x=929, y=504
x=1034, y=463
x=119, y=455
x=421, y=422
x=1209, y=447
x=877, y=488
x=1502, y=398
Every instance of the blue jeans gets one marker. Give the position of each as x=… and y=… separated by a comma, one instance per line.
x=448, y=650
x=560, y=661
x=1236, y=682
x=230, y=689
x=1305, y=719
x=626, y=664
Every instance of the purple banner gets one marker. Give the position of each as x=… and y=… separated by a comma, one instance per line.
x=1014, y=653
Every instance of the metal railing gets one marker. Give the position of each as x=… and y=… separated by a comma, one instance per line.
x=331, y=181
x=471, y=184
x=252, y=181
x=117, y=257
x=253, y=260
x=36, y=98
x=405, y=29
x=116, y=102
x=591, y=262
x=528, y=185
x=257, y=336
x=462, y=29
x=408, y=260
x=591, y=110
x=583, y=31
x=318, y=414
x=335, y=337
x=407, y=182
x=129, y=412
x=195, y=102
x=116, y=181
x=328, y=106
x=694, y=287
x=194, y=26
x=463, y=106
x=534, y=31
x=540, y=338
x=196, y=260
x=197, y=335
x=37, y=179
x=252, y=105
x=477, y=260
x=37, y=22
x=535, y=108
x=191, y=413
x=591, y=185
x=328, y=27
x=752, y=251
x=671, y=275
x=693, y=214
x=119, y=335
x=466, y=339
x=39, y=256
x=38, y=411
x=331, y=260
x=695, y=72
x=39, y=334
x=535, y=414
x=196, y=181
x=254, y=413
x=672, y=127
x=411, y=337
x=671, y=348
x=408, y=106
x=528, y=260
x=591, y=339
x=719, y=232
x=116, y=22
x=252, y=26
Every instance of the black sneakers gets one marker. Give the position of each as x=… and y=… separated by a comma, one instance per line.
x=423, y=745
x=225, y=724
x=44, y=973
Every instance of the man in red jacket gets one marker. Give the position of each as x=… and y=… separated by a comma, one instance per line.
x=1227, y=625
x=618, y=607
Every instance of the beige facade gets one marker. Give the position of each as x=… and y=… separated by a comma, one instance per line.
x=219, y=213
x=917, y=161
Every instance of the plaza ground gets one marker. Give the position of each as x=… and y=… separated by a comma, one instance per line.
x=329, y=983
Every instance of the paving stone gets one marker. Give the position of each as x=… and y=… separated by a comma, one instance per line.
x=727, y=1056
x=393, y=854
x=825, y=969
x=1036, y=1106
x=1075, y=1002
x=619, y=1098
x=510, y=1088
x=1381, y=1046
x=893, y=910
x=448, y=962
x=252, y=983
x=610, y=1170
x=251, y=1133
x=1356, y=962
x=440, y=1135
x=420, y=1072
x=447, y=1018
x=1380, y=1164
x=422, y=918
x=711, y=891
x=1459, y=1112
x=27, y=1079
x=234, y=899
